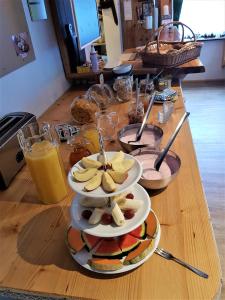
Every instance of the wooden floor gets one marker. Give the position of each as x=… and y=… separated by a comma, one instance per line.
x=206, y=103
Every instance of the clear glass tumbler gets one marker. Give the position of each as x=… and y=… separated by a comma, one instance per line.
x=106, y=124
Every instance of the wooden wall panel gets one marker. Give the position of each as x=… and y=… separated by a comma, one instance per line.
x=134, y=33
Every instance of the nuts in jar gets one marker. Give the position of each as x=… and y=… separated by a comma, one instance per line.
x=123, y=86
x=83, y=110
x=135, y=115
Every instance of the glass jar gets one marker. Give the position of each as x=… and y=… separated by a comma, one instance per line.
x=79, y=147
x=123, y=86
x=145, y=98
x=147, y=86
x=83, y=110
x=136, y=113
x=42, y=156
x=101, y=94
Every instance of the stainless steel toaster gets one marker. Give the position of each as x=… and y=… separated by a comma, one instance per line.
x=11, y=155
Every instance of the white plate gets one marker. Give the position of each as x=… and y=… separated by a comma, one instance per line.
x=82, y=257
x=134, y=174
x=112, y=230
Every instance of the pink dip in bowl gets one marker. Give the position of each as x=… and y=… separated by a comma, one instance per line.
x=149, y=173
x=147, y=138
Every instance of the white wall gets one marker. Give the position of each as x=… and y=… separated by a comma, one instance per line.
x=211, y=57
x=35, y=86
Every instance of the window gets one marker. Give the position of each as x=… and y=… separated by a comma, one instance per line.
x=204, y=16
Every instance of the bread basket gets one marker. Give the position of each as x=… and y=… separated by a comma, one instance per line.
x=170, y=54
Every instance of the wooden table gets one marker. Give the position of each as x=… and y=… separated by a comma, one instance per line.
x=34, y=258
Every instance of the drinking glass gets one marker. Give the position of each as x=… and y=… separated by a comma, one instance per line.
x=106, y=123
x=90, y=133
x=41, y=152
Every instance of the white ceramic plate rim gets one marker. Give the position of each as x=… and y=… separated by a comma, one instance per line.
x=135, y=172
x=82, y=257
x=109, y=230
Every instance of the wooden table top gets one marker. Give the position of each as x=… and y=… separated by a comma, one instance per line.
x=34, y=257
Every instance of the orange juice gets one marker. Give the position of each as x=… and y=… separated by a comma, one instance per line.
x=47, y=172
x=91, y=134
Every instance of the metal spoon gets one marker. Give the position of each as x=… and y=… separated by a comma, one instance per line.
x=162, y=155
x=140, y=130
x=137, y=95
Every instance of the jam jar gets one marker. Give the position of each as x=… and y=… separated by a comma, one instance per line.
x=79, y=148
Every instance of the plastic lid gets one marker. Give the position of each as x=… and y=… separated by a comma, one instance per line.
x=122, y=69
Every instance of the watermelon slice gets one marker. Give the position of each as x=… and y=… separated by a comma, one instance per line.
x=151, y=225
x=103, y=264
x=108, y=248
x=127, y=243
x=139, y=253
x=139, y=232
x=90, y=240
x=74, y=240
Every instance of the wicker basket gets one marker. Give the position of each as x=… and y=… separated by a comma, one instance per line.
x=153, y=56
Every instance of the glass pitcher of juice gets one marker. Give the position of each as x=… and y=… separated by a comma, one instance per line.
x=42, y=156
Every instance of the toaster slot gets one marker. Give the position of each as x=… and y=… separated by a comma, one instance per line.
x=7, y=123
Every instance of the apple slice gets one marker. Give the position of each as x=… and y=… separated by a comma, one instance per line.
x=84, y=175
x=128, y=164
x=118, y=177
x=107, y=183
x=90, y=163
x=94, y=183
x=118, y=157
x=123, y=166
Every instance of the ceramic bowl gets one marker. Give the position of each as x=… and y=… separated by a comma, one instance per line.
x=172, y=160
x=128, y=147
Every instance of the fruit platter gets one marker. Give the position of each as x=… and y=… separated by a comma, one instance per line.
x=113, y=229
x=135, y=204
x=116, y=254
x=88, y=178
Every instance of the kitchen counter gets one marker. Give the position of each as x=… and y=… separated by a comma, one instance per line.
x=34, y=258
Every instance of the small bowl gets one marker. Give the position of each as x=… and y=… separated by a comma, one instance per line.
x=157, y=132
x=173, y=161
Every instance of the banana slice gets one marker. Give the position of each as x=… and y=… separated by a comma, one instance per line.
x=96, y=216
x=117, y=214
x=93, y=202
x=94, y=183
x=130, y=204
x=119, y=198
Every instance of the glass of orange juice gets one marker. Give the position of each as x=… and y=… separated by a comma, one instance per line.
x=42, y=156
x=90, y=133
